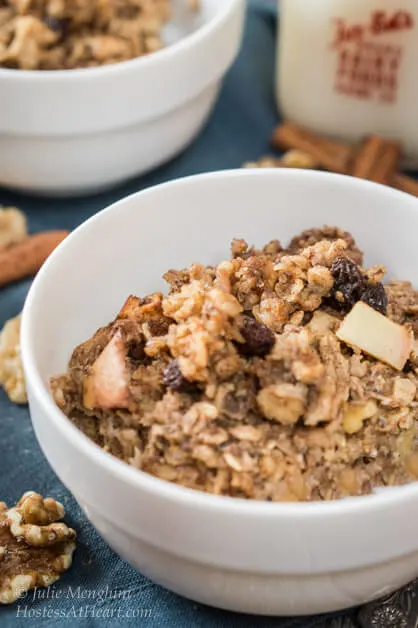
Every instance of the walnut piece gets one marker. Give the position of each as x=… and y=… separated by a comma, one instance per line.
x=29, y=36
x=264, y=162
x=11, y=370
x=13, y=226
x=356, y=413
x=283, y=403
x=298, y=159
x=35, y=549
x=291, y=159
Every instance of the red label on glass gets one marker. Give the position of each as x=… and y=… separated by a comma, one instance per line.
x=368, y=68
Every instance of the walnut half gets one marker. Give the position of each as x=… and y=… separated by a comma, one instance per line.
x=11, y=369
x=13, y=226
x=35, y=549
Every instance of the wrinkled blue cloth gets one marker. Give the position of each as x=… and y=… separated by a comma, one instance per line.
x=238, y=131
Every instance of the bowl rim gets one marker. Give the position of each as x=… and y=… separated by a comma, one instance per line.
x=148, y=61
x=389, y=497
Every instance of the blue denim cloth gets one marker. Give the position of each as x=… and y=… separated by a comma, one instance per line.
x=238, y=131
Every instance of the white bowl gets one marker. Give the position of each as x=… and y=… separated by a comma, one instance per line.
x=76, y=131
x=256, y=557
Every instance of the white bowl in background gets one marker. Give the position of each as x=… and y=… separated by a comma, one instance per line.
x=76, y=131
x=256, y=557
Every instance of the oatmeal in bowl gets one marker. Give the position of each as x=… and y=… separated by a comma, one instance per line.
x=247, y=423
x=282, y=374
x=70, y=34
x=96, y=92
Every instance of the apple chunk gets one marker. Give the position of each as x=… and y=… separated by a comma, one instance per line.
x=376, y=335
x=107, y=385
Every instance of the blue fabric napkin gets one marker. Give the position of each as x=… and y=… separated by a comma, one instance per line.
x=238, y=131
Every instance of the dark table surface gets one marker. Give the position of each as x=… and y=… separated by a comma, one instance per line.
x=238, y=131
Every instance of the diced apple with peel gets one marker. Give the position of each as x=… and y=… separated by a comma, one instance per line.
x=107, y=385
x=377, y=335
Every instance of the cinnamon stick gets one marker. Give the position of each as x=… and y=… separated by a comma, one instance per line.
x=405, y=184
x=26, y=258
x=377, y=160
x=330, y=155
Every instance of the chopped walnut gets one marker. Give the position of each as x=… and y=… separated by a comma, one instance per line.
x=51, y=35
x=11, y=369
x=356, y=413
x=284, y=403
x=265, y=162
x=28, y=37
x=298, y=159
x=35, y=549
x=290, y=159
x=13, y=226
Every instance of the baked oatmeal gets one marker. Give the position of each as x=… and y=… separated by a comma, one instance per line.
x=281, y=374
x=68, y=34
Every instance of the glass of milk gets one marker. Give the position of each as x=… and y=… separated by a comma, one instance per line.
x=347, y=68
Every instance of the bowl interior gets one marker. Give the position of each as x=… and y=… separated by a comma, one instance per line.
x=126, y=249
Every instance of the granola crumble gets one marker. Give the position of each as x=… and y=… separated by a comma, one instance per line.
x=237, y=381
x=68, y=34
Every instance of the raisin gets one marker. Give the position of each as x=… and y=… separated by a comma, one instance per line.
x=307, y=317
x=348, y=282
x=259, y=339
x=174, y=378
x=375, y=296
x=408, y=368
x=59, y=26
